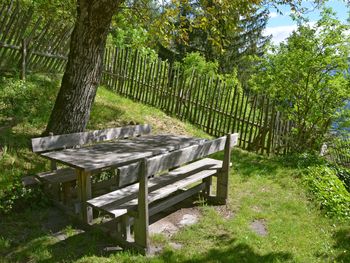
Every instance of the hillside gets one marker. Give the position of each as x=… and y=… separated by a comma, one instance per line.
x=270, y=216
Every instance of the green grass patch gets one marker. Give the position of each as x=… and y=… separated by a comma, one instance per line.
x=270, y=216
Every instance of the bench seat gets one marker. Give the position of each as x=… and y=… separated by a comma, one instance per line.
x=122, y=201
x=62, y=175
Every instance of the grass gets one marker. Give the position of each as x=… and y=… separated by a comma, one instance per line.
x=262, y=189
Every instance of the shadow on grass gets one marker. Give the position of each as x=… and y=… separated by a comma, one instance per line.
x=46, y=235
x=102, y=113
x=342, y=239
x=227, y=251
x=250, y=164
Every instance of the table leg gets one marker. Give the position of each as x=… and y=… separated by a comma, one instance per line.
x=84, y=194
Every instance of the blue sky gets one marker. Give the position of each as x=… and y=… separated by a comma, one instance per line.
x=280, y=26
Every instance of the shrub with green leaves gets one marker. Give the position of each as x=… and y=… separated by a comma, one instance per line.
x=329, y=191
x=15, y=196
x=307, y=76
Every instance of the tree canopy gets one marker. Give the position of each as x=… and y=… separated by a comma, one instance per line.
x=307, y=76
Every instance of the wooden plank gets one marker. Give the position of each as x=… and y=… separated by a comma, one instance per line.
x=84, y=194
x=166, y=161
x=243, y=120
x=157, y=83
x=219, y=116
x=58, y=176
x=129, y=174
x=222, y=125
x=252, y=128
x=195, y=118
x=236, y=110
x=48, y=143
x=214, y=96
x=169, y=202
x=248, y=126
x=121, y=152
x=142, y=220
x=23, y=24
x=205, y=96
x=30, y=181
x=7, y=33
x=128, y=193
x=222, y=179
x=125, y=200
x=206, y=163
x=5, y=14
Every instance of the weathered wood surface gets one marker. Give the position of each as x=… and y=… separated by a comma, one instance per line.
x=123, y=200
x=58, y=176
x=166, y=161
x=119, y=153
x=129, y=174
x=55, y=142
x=137, y=200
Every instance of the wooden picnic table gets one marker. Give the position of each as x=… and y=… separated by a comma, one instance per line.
x=91, y=159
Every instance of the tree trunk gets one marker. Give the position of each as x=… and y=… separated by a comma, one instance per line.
x=84, y=67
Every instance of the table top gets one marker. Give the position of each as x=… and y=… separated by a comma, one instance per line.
x=120, y=152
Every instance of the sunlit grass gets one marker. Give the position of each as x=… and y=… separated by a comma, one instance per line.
x=261, y=189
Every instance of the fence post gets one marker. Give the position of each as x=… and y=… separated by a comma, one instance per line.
x=23, y=59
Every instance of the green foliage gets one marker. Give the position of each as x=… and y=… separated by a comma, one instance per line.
x=303, y=160
x=343, y=174
x=25, y=101
x=15, y=197
x=196, y=62
x=65, y=10
x=307, y=77
x=329, y=191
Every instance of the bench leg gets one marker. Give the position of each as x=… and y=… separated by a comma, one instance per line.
x=222, y=188
x=84, y=193
x=142, y=219
x=208, y=187
x=67, y=192
x=123, y=228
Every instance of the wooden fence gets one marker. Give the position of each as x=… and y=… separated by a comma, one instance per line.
x=339, y=151
x=215, y=105
x=31, y=44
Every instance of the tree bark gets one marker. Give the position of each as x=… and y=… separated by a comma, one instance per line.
x=83, y=72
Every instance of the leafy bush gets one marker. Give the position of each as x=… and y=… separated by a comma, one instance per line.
x=194, y=61
x=329, y=191
x=306, y=77
x=344, y=175
x=303, y=160
x=15, y=196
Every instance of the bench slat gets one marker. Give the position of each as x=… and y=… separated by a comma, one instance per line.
x=162, y=186
x=206, y=163
x=173, y=159
x=128, y=174
x=49, y=143
x=58, y=176
x=129, y=192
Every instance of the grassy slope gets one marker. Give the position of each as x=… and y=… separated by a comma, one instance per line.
x=260, y=189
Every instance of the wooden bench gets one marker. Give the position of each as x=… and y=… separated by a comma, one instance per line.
x=135, y=203
x=59, y=180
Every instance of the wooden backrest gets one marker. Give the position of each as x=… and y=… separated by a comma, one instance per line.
x=55, y=142
x=159, y=163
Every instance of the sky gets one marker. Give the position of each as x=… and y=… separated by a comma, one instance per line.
x=280, y=26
